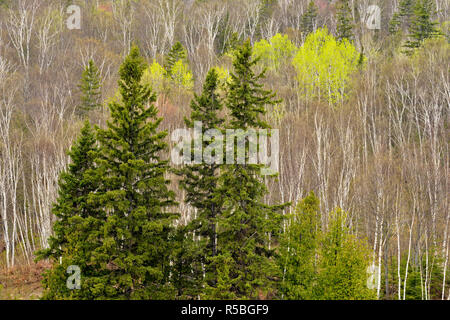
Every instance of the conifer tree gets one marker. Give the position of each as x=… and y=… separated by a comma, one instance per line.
x=343, y=263
x=176, y=53
x=422, y=27
x=200, y=181
x=308, y=21
x=246, y=222
x=299, y=249
x=344, y=28
x=91, y=89
x=135, y=253
x=401, y=19
x=75, y=233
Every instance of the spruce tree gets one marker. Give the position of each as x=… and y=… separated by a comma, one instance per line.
x=308, y=20
x=299, y=250
x=246, y=224
x=176, y=53
x=422, y=27
x=200, y=181
x=75, y=233
x=344, y=261
x=135, y=254
x=90, y=88
x=344, y=28
x=401, y=19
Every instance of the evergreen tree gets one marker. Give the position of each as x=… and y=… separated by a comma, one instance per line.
x=299, y=250
x=343, y=263
x=308, y=21
x=200, y=181
x=246, y=223
x=421, y=27
x=91, y=89
x=134, y=256
x=401, y=19
x=187, y=271
x=75, y=233
x=176, y=53
x=234, y=41
x=344, y=26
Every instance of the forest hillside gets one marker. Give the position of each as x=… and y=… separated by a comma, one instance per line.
x=97, y=96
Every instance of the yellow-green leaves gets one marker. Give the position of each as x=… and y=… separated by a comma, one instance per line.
x=154, y=76
x=275, y=51
x=324, y=66
x=182, y=76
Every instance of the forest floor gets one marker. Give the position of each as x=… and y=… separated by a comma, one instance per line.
x=22, y=283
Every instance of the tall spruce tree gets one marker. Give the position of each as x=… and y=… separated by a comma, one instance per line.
x=76, y=231
x=401, y=19
x=308, y=20
x=176, y=53
x=201, y=181
x=90, y=89
x=246, y=224
x=421, y=27
x=135, y=254
x=299, y=250
x=344, y=28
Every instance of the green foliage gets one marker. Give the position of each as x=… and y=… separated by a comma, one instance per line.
x=232, y=43
x=91, y=89
x=201, y=182
x=275, y=52
x=223, y=76
x=154, y=76
x=134, y=255
x=176, y=53
x=222, y=289
x=343, y=263
x=75, y=233
x=324, y=66
x=187, y=271
x=324, y=265
x=421, y=27
x=344, y=28
x=176, y=68
x=308, y=21
x=402, y=18
x=246, y=222
x=182, y=76
x=299, y=251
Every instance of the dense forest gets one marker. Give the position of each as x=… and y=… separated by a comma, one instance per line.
x=354, y=95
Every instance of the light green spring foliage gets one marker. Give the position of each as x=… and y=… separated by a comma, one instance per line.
x=182, y=76
x=275, y=51
x=154, y=76
x=344, y=260
x=299, y=250
x=317, y=264
x=324, y=67
x=223, y=75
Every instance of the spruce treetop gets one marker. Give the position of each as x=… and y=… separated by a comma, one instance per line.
x=91, y=89
x=246, y=99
